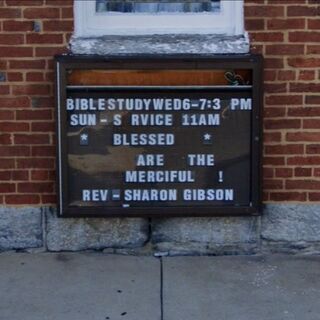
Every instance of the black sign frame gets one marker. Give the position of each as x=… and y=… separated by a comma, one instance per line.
x=152, y=62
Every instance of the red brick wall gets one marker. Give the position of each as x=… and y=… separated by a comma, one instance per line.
x=27, y=146
x=285, y=31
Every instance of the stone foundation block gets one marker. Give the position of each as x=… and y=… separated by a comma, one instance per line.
x=20, y=228
x=203, y=236
x=74, y=234
x=291, y=228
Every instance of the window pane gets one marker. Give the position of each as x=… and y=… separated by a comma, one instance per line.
x=150, y=6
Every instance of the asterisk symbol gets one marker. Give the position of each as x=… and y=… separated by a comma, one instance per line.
x=84, y=137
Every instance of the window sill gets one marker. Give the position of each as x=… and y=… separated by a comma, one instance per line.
x=161, y=44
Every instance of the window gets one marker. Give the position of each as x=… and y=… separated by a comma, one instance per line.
x=128, y=17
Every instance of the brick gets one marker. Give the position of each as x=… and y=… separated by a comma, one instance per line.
x=312, y=100
x=282, y=124
x=302, y=172
x=272, y=184
x=304, y=112
x=14, y=151
x=11, y=39
x=306, y=75
x=50, y=51
x=41, y=13
x=50, y=76
x=6, y=115
x=52, y=175
x=58, y=25
x=22, y=3
x=316, y=172
x=304, y=87
x=14, y=126
x=302, y=184
x=302, y=11
x=17, y=102
x=303, y=161
x=283, y=172
x=43, y=151
x=4, y=89
x=36, y=38
x=286, y=75
x=314, y=196
x=39, y=187
x=19, y=199
x=299, y=36
x=5, y=139
x=303, y=136
x=302, y=62
x=288, y=196
x=3, y=65
x=5, y=175
x=7, y=13
x=275, y=161
x=59, y=3
x=254, y=24
x=275, y=87
x=34, y=114
x=48, y=199
x=272, y=137
x=27, y=64
x=43, y=102
x=31, y=139
x=284, y=49
x=288, y=2
x=15, y=76
x=39, y=175
x=284, y=149
x=313, y=24
x=274, y=112
x=67, y=13
x=267, y=36
x=269, y=75
x=37, y=163
x=284, y=100
x=7, y=164
x=313, y=49
x=264, y=11
x=313, y=148
x=311, y=123
x=19, y=175
x=7, y=187
x=13, y=26
x=43, y=127
x=285, y=24
x=31, y=89
x=16, y=51
x=35, y=76
x=273, y=63
x=256, y=49
x=267, y=172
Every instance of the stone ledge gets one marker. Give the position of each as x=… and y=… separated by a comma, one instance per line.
x=161, y=44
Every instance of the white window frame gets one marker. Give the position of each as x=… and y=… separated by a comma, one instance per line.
x=89, y=23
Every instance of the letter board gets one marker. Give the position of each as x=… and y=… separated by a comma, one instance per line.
x=158, y=136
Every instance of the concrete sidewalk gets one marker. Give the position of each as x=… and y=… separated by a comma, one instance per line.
x=93, y=286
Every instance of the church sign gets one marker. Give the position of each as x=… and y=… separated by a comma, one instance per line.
x=158, y=136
